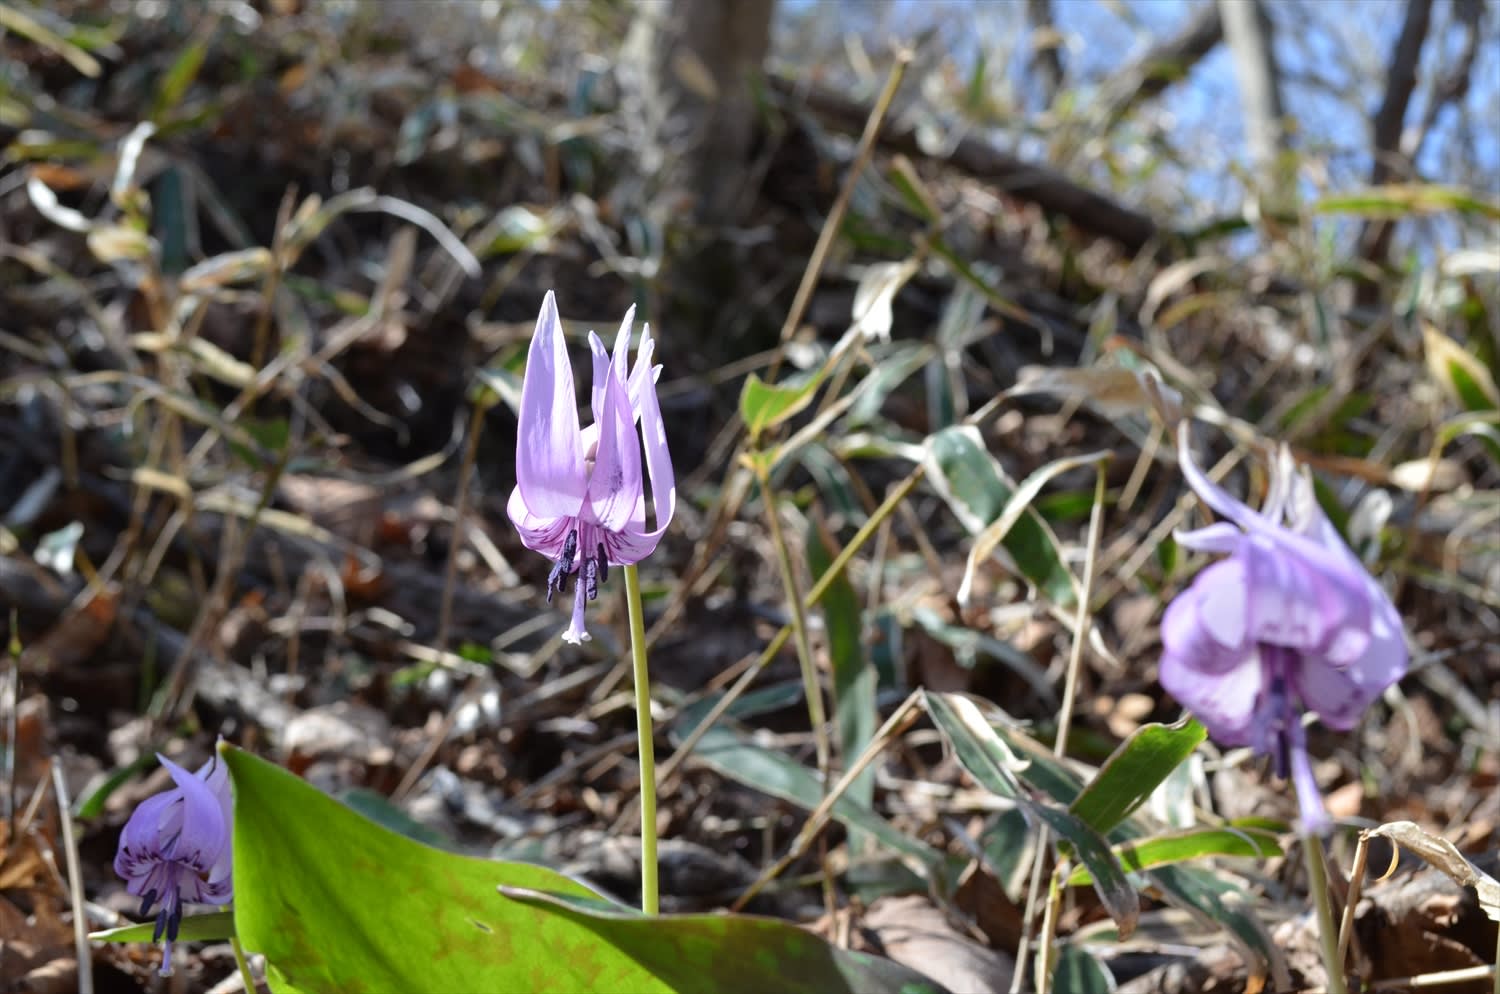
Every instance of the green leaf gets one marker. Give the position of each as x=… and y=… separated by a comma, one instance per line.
x=1200, y=890
x=687, y=952
x=1398, y=200
x=92, y=806
x=337, y=903
x=765, y=405
x=990, y=761
x=1194, y=843
x=1019, y=504
x=853, y=676
x=175, y=83
x=977, y=492
x=212, y=927
x=1079, y=972
x=1129, y=776
x=773, y=772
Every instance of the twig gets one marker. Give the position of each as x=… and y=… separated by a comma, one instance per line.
x=75, y=882
x=896, y=724
x=835, y=219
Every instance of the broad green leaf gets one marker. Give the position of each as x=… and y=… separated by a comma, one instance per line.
x=853, y=676
x=1194, y=843
x=337, y=903
x=995, y=766
x=382, y=811
x=764, y=405
x=689, y=952
x=1129, y=776
x=977, y=492
x=212, y=927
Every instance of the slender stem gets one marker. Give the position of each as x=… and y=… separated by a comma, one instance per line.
x=814, y=693
x=246, y=977
x=650, y=903
x=1044, y=955
x=1317, y=882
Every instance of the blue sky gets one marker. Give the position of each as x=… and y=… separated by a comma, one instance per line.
x=1322, y=43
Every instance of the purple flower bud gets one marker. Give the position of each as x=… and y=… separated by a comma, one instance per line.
x=1290, y=623
x=175, y=848
x=580, y=495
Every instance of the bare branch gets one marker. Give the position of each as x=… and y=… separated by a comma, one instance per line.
x=1248, y=33
x=1400, y=82
x=1163, y=64
x=1038, y=184
x=1046, y=49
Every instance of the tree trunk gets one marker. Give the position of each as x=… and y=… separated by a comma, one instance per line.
x=689, y=68
x=1249, y=34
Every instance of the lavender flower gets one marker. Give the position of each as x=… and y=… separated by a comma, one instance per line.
x=175, y=848
x=580, y=497
x=1290, y=622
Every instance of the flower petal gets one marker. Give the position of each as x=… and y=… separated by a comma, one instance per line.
x=204, y=834
x=539, y=534
x=1311, y=812
x=549, y=456
x=601, y=363
x=1226, y=704
x=1206, y=626
x=1207, y=490
x=642, y=372
x=614, y=487
x=1221, y=537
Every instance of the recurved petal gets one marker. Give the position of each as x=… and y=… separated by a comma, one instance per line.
x=204, y=834
x=1221, y=537
x=1225, y=702
x=615, y=485
x=539, y=534
x=601, y=363
x=620, y=356
x=1210, y=492
x=549, y=455
x=642, y=373
x=658, y=457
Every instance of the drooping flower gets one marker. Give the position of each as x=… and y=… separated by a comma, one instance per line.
x=1290, y=623
x=580, y=495
x=175, y=848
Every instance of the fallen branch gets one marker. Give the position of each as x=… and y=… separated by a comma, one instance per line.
x=1038, y=184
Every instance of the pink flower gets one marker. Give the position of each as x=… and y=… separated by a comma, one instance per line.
x=1290, y=622
x=175, y=848
x=580, y=493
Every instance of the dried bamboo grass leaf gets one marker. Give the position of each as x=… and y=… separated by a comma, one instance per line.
x=1444, y=855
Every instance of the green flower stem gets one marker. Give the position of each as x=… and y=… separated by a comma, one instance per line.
x=246, y=977
x=815, y=712
x=1317, y=882
x=650, y=902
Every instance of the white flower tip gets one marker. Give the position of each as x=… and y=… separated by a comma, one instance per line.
x=576, y=636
